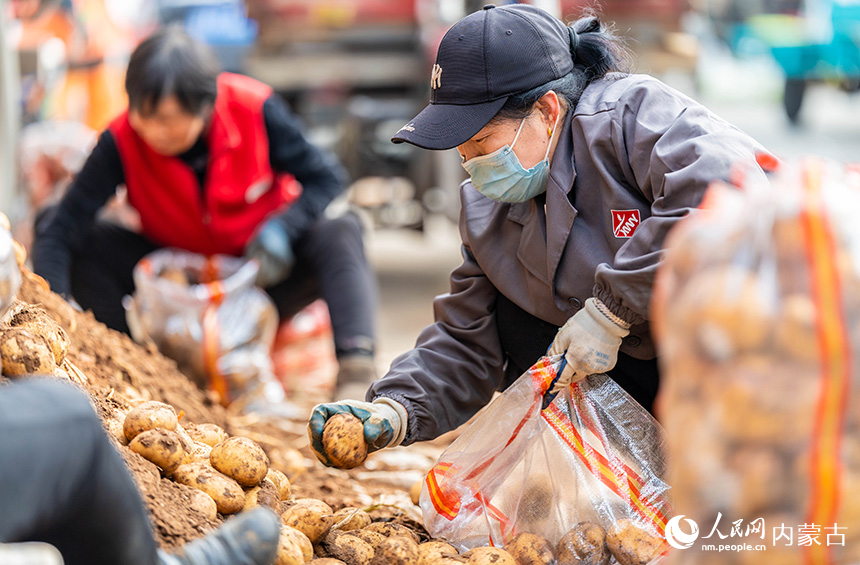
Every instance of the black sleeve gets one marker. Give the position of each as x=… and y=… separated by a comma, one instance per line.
x=321, y=176
x=63, y=230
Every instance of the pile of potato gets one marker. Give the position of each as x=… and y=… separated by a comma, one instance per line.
x=232, y=474
x=32, y=343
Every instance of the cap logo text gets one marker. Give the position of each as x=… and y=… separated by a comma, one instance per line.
x=436, y=77
x=624, y=222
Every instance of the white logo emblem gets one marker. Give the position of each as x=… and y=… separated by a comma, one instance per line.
x=436, y=77
x=624, y=222
x=676, y=537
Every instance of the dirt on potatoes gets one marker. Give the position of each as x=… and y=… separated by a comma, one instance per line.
x=119, y=374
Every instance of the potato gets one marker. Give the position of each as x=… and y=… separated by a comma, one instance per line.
x=210, y=434
x=489, y=556
x=728, y=311
x=349, y=548
x=148, y=416
x=294, y=547
x=350, y=518
x=795, y=330
x=203, y=503
x=328, y=561
x=162, y=447
x=415, y=492
x=343, y=441
x=430, y=552
x=114, y=428
x=187, y=472
x=397, y=550
x=293, y=463
x=310, y=516
x=391, y=530
x=632, y=545
x=200, y=452
x=266, y=494
x=24, y=353
x=373, y=538
x=227, y=494
x=38, y=322
x=113, y=422
x=175, y=275
x=241, y=459
x=528, y=549
x=584, y=544
x=282, y=483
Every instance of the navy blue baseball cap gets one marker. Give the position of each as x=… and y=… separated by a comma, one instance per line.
x=482, y=60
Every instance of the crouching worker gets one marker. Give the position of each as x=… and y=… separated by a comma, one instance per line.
x=578, y=171
x=70, y=488
x=214, y=163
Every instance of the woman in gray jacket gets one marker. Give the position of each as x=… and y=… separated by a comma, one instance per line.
x=578, y=171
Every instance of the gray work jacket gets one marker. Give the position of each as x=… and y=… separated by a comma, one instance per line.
x=634, y=157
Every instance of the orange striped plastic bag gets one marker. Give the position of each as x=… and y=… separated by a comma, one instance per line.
x=758, y=316
x=592, y=455
x=205, y=313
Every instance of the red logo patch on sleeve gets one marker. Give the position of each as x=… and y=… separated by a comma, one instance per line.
x=624, y=222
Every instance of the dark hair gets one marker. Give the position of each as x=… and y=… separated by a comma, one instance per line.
x=170, y=62
x=597, y=52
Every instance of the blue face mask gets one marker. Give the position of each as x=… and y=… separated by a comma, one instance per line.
x=500, y=176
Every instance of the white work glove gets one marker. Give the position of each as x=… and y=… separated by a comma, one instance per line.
x=589, y=341
x=384, y=422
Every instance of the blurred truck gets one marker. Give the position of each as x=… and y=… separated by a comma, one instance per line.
x=356, y=71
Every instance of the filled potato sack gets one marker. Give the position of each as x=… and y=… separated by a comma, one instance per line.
x=538, y=462
x=757, y=311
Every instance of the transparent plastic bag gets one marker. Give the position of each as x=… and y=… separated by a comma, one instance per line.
x=591, y=455
x=10, y=274
x=757, y=309
x=207, y=315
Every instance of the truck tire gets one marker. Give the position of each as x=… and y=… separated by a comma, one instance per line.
x=793, y=98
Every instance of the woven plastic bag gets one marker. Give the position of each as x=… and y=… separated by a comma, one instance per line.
x=758, y=316
x=207, y=315
x=533, y=464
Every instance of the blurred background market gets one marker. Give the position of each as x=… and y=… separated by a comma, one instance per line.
x=784, y=71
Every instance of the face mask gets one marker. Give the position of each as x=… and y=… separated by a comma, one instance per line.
x=500, y=176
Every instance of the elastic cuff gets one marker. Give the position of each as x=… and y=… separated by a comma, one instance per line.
x=410, y=425
x=603, y=309
x=617, y=309
x=402, y=418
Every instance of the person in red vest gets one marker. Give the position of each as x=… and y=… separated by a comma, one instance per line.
x=214, y=163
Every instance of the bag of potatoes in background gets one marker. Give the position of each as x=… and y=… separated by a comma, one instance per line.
x=757, y=311
x=576, y=481
x=207, y=315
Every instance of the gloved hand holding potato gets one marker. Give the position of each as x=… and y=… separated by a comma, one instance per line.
x=338, y=440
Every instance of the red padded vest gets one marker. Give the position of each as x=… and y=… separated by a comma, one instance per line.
x=241, y=189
